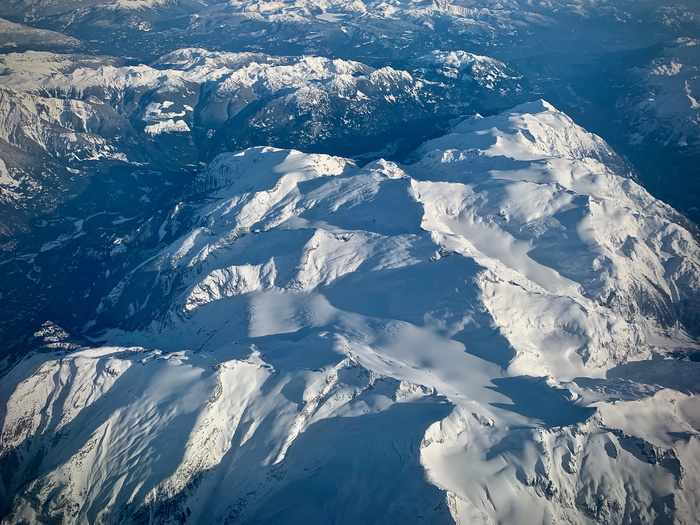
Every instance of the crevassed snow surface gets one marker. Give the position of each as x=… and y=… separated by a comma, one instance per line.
x=490, y=334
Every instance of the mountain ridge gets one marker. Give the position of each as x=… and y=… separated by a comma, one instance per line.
x=337, y=328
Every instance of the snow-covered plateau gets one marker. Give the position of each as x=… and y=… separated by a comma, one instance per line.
x=502, y=329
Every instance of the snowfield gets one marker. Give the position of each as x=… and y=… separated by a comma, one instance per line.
x=498, y=331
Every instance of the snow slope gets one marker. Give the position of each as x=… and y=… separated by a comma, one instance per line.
x=499, y=331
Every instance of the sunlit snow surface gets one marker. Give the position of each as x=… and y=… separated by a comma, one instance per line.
x=493, y=332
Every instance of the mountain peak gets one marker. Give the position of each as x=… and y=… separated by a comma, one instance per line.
x=534, y=107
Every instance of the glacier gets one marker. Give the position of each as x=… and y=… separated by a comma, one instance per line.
x=501, y=329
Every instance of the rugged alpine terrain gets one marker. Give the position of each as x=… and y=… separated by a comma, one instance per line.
x=340, y=262
x=499, y=331
x=64, y=117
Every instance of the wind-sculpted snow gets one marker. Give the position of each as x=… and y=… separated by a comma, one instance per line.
x=470, y=337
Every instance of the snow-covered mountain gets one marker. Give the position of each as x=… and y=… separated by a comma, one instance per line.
x=588, y=56
x=64, y=116
x=532, y=38
x=298, y=262
x=503, y=329
x=19, y=37
x=666, y=107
